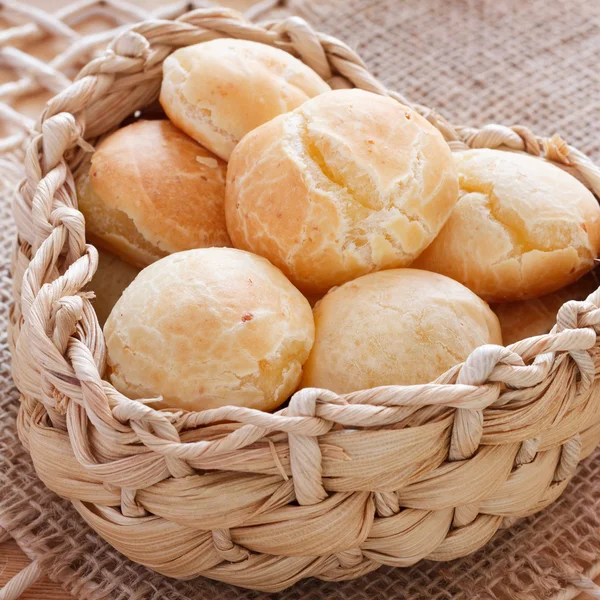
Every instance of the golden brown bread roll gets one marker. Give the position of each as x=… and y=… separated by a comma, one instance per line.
x=220, y=90
x=210, y=327
x=401, y=326
x=152, y=190
x=528, y=318
x=349, y=183
x=521, y=228
x=109, y=282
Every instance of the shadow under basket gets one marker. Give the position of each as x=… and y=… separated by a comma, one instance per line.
x=333, y=486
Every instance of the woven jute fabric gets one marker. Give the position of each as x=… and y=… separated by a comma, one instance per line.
x=481, y=61
x=540, y=557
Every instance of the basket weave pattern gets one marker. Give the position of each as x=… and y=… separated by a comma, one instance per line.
x=332, y=486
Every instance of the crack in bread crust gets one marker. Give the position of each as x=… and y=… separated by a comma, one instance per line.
x=356, y=204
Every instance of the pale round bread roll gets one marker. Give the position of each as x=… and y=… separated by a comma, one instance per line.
x=220, y=90
x=109, y=282
x=349, y=183
x=528, y=318
x=207, y=328
x=152, y=190
x=395, y=327
x=522, y=227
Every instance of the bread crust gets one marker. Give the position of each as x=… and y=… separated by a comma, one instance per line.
x=220, y=90
x=522, y=227
x=395, y=327
x=207, y=328
x=152, y=190
x=347, y=184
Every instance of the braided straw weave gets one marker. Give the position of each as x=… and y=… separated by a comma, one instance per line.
x=333, y=486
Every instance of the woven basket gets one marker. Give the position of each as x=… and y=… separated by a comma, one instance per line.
x=333, y=486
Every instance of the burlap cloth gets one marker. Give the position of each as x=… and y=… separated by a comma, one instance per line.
x=534, y=63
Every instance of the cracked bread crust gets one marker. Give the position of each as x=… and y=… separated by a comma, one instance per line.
x=207, y=328
x=218, y=91
x=522, y=227
x=347, y=184
x=395, y=327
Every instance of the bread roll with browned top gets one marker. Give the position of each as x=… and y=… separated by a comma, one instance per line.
x=528, y=318
x=207, y=328
x=109, y=282
x=522, y=227
x=349, y=183
x=152, y=190
x=395, y=327
x=220, y=90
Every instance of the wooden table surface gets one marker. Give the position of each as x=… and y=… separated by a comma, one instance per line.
x=12, y=559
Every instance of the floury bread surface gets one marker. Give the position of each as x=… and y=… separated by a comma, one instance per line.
x=395, y=327
x=152, y=190
x=349, y=183
x=522, y=227
x=207, y=328
x=220, y=90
